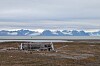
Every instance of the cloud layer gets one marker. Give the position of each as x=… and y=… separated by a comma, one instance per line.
x=49, y=14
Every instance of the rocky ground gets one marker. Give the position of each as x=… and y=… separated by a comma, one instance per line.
x=65, y=54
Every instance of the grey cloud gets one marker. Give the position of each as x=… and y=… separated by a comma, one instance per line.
x=80, y=25
x=50, y=14
x=49, y=9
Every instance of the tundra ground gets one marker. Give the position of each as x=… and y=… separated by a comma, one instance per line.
x=65, y=54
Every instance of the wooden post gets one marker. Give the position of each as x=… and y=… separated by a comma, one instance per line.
x=21, y=46
x=52, y=46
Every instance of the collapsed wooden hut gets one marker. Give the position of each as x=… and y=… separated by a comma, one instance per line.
x=37, y=46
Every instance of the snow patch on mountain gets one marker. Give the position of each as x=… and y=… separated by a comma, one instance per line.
x=67, y=32
x=12, y=33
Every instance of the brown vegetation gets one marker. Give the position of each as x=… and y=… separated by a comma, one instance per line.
x=66, y=54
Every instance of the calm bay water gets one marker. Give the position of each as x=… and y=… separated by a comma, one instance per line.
x=47, y=38
x=36, y=40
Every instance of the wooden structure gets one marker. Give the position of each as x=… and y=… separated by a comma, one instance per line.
x=37, y=46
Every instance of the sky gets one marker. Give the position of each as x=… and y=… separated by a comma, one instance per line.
x=50, y=14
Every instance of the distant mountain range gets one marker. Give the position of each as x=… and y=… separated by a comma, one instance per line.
x=48, y=33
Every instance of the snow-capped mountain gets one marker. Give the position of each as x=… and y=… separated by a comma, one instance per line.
x=64, y=33
x=48, y=33
x=95, y=33
x=18, y=33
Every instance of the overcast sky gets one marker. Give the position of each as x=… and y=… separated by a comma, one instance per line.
x=50, y=14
